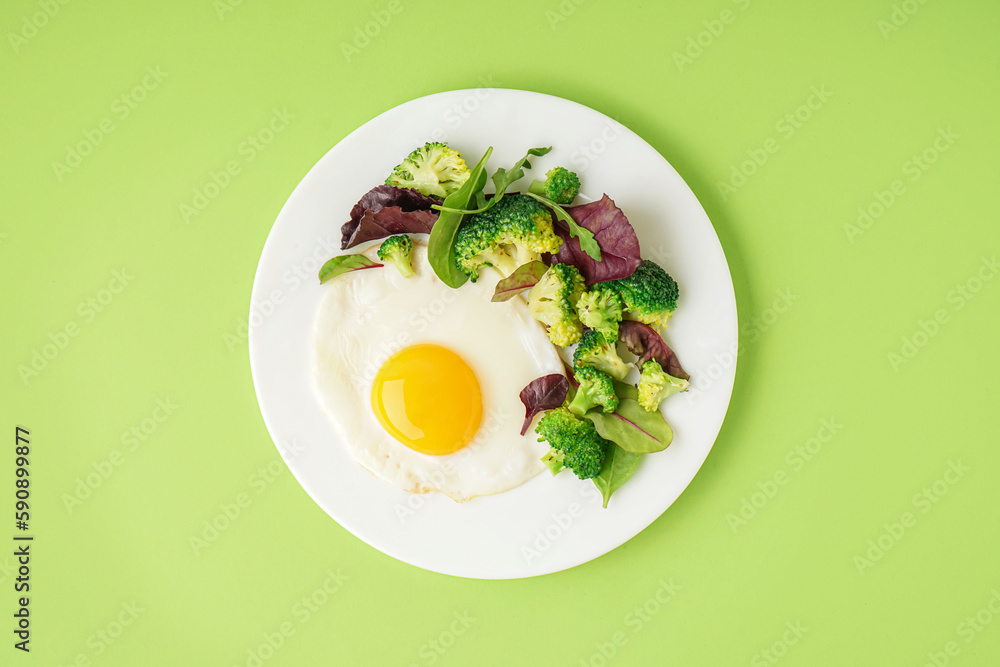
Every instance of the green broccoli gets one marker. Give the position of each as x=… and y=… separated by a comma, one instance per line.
x=602, y=310
x=434, y=170
x=396, y=250
x=596, y=388
x=560, y=185
x=655, y=385
x=551, y=301
x=649, y=294
x=573, y=443
x=514, y=232
x=594, y=350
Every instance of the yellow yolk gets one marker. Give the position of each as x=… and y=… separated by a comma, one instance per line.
x=429, y=399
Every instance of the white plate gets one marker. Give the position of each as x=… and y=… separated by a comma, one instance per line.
x=549, y=523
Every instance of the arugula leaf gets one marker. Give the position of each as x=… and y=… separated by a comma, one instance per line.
x=501, y=181
x=344, y=264
x=619, y=466
x=632, y=427
x=524, y=276
x=480, y=198
x=441, y=244
x=586, y=237
x=503, y=178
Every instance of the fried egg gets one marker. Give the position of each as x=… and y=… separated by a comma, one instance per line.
x=422, y=382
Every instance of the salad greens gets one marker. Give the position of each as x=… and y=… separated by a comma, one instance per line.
x=441, y=244
x=501, y=180
x=590, y=289
x=619, y=466
x=545, y=393
x=643, y=341
x=584, y=236
x=611, y=230
x=386, y=210
x=630, y=426
x=524, y=277
x=344, y=264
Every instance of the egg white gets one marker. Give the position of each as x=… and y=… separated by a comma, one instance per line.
x=367, y=316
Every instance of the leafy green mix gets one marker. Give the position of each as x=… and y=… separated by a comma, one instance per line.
x=594, y=294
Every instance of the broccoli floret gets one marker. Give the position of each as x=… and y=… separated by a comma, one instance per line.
x=560, y=185
x=434, y=170
x=655, y=384
x=513, y=232
x=573, y=443
x=551, y=301
x=596, y=388
x=649, y=294
x=602, y=310
x=396, y=250
x=594, y=350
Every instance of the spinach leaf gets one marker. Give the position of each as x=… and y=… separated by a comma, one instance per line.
x=344, y=264
x=619, y=466
x=441, y=244
x=631, y=426
x=501, y=181
x=524, y=277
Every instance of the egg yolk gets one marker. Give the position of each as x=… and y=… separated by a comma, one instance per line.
x=428, y=398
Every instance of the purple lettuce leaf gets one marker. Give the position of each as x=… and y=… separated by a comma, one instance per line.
x=643, y=341
x=612, y=231
x=524, y=277
x=386, y=210
x=544, y=393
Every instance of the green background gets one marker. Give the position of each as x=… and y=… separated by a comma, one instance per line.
x=174, y=332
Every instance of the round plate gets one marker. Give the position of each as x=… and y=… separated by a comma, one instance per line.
x=549, y=523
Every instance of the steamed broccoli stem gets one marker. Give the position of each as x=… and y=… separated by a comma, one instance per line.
x=551, y=301
x=554, y=460
x=522, y=255
x=601, y=309
x=560, y=185
x=574, y=443
x=655, y=385
x=596, y=388
x=433, y=169
x=499, y=260
x=397, y=250
x=595, y=350
x=649, y=295
x=518, y=227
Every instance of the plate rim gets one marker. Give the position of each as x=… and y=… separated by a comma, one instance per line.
x=388, y=550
